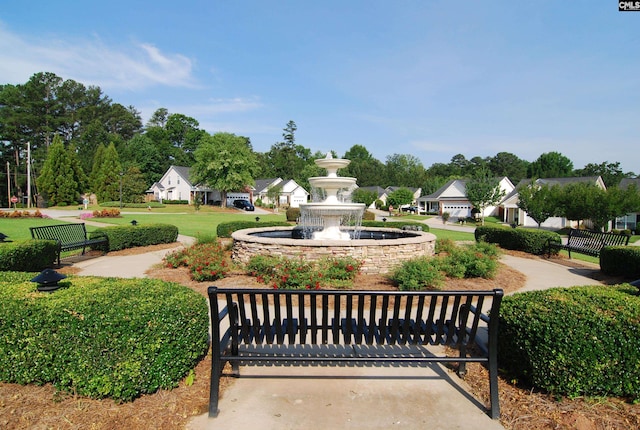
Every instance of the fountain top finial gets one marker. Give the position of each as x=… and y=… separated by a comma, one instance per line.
x=329, y=156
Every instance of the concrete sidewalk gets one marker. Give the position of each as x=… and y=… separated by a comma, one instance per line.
x=127, y=266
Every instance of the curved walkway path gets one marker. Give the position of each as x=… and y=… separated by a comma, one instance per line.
x=349, y=397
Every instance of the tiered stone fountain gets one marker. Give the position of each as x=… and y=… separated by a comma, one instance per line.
x=331, y=228
x=331, y=213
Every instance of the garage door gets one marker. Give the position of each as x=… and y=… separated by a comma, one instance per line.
x=457, y=211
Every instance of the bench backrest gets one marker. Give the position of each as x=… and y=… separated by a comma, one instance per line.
x=64, y=233
x=595, y=240
x=351, y=317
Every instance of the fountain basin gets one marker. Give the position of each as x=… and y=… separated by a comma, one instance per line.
x=380, y=249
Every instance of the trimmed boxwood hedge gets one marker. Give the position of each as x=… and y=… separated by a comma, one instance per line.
x=573, y=341
x=129, y=236
x=28, y=256
x=225, y=229
x=100, y=337
x=395, y=224
x=620, y=261
x=518, y=239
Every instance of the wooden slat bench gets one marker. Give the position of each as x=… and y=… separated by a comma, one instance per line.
x=254, y=326
x=69, y=236
x=588, y=242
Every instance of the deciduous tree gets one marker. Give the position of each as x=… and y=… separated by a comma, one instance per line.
x=224, y=162
x=483, y=190
x=540, y=202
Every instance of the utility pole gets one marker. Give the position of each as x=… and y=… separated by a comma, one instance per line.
x=8, y=186
x=28, y=175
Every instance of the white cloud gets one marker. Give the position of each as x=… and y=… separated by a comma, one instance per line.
x=139, y=65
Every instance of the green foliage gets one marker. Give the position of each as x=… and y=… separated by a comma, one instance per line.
x=620, y=261
x=29, y=256
x=207, y=261
x=573, y=341
x=539, y=201
x=108, y=175
x=395, y=224
x=293, y=214
x=152, y=205
x=476, y=261
x=368, y=216
x=224, y=162
x=403, y=196
x=225, y=229
x=364, y=196
x=418, y=274
x=297, y=274
x=483, y=190
x=125, y=236
x=520, y=239
x=550, y=165
x=62, y=177
x=100, y=337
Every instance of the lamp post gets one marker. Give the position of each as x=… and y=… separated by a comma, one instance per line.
x=121, y=175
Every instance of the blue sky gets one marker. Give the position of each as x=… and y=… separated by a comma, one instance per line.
x=427, y=78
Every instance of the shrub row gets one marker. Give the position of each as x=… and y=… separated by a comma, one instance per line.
x=518, y=239
x=135, y=205
x=22, y=214
x=620, y=261
x=225, y=229
x=395, y=224
x=100, y=337
x=124, y=236
x=28, y=256
x=573, y=341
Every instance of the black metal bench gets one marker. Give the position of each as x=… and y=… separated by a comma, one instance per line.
x=253, y=326
x=69, y=236
x=588, y=242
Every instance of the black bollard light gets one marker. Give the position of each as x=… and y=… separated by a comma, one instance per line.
x=134, y=222
x=48, y=280
x=257, y=219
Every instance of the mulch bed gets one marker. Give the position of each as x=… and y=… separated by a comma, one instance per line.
x=41, y=407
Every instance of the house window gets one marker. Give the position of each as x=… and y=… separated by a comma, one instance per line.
x=178, y=181
x=169, y=178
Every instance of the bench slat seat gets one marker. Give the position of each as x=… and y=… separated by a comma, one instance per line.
x=265, y=326
x=69, y=237
x=588, y=242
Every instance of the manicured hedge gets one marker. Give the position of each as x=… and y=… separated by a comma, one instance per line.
x=293, y=214
x=100, y=337
x=225, y=229
x=573, y=341
x=125, y=236
x=621, y=261
x=28, y=256
x=519, y=239
x=395, y=224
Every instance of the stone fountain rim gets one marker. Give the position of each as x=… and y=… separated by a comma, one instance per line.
x=415, y=236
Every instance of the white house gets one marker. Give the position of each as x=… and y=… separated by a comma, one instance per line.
x=176, y=185
x=512, y=214
x=452, y=198
x=289, y=193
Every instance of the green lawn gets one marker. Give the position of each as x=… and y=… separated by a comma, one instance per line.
x=190, y=224
x=451, y=234
x=18, y=228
